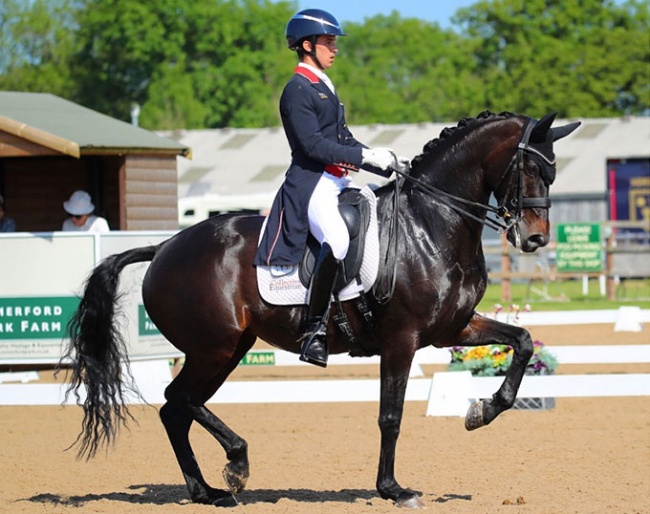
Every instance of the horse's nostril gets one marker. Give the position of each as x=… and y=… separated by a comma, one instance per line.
x=538, y=240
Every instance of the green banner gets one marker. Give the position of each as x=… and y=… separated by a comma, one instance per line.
x=258, y=358
x=146, y=327
x=579, y=247
x=36, y=317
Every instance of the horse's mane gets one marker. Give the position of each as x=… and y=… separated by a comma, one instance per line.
x=434, y=145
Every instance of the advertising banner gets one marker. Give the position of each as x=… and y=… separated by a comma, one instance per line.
x=42, y=276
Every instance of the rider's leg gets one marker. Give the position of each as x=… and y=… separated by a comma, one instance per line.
x=327, y=225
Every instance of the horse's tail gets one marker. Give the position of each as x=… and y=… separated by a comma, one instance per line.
x=96, y=350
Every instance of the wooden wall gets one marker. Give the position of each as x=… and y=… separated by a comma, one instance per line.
x=132, y=192
x=150, y=193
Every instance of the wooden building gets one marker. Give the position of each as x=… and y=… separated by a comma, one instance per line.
x=50, y=147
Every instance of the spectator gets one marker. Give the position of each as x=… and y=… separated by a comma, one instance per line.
x=6, y=224
x=81, y=208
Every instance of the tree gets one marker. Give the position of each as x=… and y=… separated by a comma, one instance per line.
x=36, y=45
x=120, y=46
x=577, y=57
x=396, y=70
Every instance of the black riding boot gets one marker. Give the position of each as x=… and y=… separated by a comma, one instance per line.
x=314, y=346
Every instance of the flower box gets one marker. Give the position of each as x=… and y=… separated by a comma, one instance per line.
x=494, y=360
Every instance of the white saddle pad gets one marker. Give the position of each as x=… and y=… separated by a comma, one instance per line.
x=280, y=285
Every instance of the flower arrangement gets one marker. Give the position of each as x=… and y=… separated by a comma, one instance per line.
x=495, y=359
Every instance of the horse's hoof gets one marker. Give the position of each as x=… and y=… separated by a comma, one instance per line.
x=409, y=500
x=474, y=416
x=236, y=482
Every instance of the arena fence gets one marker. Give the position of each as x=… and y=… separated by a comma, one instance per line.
x=447, y=393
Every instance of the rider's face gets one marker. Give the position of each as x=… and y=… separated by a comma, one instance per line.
x=326, y=50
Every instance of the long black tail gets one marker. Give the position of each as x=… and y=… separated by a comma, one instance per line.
x=96, y=349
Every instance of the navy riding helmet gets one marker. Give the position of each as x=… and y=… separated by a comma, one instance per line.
x=311, y=22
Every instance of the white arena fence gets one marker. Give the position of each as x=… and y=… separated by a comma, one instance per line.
x=446, y=394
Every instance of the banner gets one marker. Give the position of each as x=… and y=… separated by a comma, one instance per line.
x=42, y=276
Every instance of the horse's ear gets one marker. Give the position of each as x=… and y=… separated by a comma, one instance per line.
x=541, y=129
x=565, y=130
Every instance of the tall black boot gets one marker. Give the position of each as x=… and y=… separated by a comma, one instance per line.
x=314, y=346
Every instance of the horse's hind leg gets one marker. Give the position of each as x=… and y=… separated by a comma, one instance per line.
x=195, y=384
x=177, y=418
x=236, y=472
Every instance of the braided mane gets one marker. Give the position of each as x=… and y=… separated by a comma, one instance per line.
x=434, y=145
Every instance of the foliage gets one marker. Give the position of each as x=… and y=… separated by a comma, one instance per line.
x=220, y=63
x=560, y=54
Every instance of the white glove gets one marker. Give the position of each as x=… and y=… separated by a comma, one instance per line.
x=382, y=158
x=403, y=163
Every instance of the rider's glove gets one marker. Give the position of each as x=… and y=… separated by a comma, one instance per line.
x=381, y=161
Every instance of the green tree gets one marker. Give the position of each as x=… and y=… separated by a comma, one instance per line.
x=121, y=44
x=397, y=70
x=239, y=61
x=577, y=57
x=36, y=42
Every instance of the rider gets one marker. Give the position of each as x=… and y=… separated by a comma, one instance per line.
x=323, y=151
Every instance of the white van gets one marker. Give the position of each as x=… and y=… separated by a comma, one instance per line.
x=193, y=209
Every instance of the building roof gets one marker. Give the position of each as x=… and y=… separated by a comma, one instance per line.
x=75, y=130
x=228, y=162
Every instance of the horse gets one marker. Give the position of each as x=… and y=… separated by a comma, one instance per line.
x=201, y=292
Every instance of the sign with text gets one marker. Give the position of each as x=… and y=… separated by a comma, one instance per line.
x=43, y=274
x=579, y=247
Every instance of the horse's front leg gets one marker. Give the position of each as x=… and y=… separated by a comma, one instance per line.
x=482, y=331
x=395, y=366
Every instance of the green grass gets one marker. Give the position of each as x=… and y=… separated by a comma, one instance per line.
x=567, y=295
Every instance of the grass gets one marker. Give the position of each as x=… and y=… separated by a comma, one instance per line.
x=567, y=295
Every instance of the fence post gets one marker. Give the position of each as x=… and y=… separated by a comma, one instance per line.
x=609, y=264
x=506, y=268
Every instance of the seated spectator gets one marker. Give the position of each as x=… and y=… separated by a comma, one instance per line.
x=6, y=224
x=81, y=208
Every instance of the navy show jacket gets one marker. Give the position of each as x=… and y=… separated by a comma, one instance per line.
x=318, y=135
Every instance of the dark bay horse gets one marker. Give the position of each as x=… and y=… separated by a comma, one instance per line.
x=201, y=292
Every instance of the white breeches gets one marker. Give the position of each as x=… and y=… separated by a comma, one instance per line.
x=325, y=222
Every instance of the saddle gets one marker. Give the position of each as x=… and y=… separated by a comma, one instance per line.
x=355, y=212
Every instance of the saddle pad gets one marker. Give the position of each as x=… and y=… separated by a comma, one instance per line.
x=281, y=285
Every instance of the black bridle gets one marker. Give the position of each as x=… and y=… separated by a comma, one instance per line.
x=509, y=210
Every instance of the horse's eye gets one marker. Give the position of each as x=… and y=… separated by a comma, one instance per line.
x=532, y=168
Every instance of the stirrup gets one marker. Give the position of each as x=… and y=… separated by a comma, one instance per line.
x=314, y=345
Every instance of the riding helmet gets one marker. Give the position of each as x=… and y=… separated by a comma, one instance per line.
x=311, y=22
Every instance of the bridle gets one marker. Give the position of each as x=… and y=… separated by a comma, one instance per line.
x=510, y=210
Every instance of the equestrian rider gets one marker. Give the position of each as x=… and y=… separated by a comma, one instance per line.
x=322, y=151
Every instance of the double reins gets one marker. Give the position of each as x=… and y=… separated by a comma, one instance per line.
x=510, y=210
x=510, y=219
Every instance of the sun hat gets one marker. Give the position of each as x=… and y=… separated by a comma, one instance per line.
x=79, y=204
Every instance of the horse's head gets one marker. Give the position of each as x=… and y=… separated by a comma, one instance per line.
x=523, y=187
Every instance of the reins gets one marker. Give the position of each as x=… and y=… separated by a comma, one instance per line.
x=510, y=219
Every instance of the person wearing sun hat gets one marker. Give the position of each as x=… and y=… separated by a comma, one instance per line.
x=81, y=208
